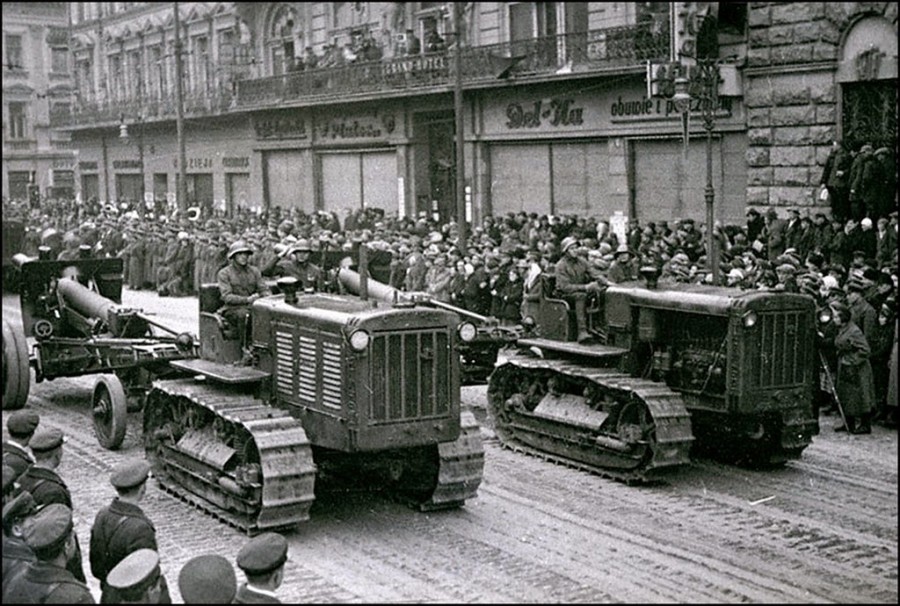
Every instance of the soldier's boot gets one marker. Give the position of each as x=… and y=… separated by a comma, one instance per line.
x=581, y=320
x=863, y=425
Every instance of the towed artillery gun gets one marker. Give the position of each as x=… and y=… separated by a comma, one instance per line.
x=726, y=372
x=478, y=356
x=72, y=309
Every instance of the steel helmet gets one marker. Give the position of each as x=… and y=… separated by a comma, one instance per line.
x=302, y=245
x=567, y=243
x=239, y=246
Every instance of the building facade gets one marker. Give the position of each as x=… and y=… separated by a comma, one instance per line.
x=37, y=84
x=334, y=106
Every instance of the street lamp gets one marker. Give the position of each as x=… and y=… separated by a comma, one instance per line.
x=703, y=85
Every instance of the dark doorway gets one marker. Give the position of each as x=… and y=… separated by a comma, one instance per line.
x=869, y=114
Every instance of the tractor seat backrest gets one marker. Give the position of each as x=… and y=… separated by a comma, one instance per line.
x=548, y=285
x=210, y=298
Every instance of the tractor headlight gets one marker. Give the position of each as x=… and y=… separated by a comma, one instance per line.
x=359, y=340
x=825, y=316
x=750, y=319
x=467, y=331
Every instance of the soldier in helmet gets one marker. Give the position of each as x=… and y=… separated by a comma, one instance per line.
x=240, y=284
x=576, y=280
x=294, y=262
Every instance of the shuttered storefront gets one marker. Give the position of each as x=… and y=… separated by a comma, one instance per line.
x=357, y=179
x=668, y=186
x=550, y=178
x=285, y=180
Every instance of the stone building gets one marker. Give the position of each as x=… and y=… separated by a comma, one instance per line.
x=333, y=106
x=37, y=83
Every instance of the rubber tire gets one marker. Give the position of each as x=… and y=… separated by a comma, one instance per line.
x=16, y=368
x=110, y=427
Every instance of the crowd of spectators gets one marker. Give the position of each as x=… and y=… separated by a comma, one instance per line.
x=854, y=261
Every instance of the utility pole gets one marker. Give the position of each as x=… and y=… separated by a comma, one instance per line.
x=460, y=125
x=179, y=116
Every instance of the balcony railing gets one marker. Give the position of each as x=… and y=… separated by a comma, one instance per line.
x=585, y=52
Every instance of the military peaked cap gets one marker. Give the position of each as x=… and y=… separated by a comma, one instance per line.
x=9, y=478
x=20, y=506
x=135, y=573
x=130, y=474
x=45, y=440
x=22, y=422
x=263, y=554
x=49, y=527
x=207, y=579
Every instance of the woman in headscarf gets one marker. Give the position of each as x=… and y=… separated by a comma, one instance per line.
x=855, y=385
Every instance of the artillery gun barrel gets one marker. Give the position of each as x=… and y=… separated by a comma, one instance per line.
x=85, y=301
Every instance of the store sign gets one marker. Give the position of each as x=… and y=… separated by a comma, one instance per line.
x=64, y=163
x=236, y=162
x=627, y=109
x=555, y=112
x=279, y=127
x=127, y=164
x=87, y=165
x=358, y=128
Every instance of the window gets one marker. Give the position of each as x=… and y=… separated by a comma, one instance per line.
x=733, y=17
x=14, y=52
x=18, y=120
x=84, y=73
x=60, y=110
x=115, y=65
x=201, y=55
x=136, y=78
x=159, y=67
x=59, y=60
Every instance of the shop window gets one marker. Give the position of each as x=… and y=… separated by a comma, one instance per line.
x=18, y=120
x=14, y=52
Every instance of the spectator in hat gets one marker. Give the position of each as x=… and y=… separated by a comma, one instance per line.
x=836, y=178
x=207, y=579
x=854, y=382
x=121, y=527
x=21, y=426
x=49, y=534
x=861, y=311
x=882, y=341
x=477, y=293
x=776, y=234
x=137, y=579
x=863, y=183
x=885, y=244
x=438, y=278
x=46, y=486
x=884, y=195
x=623, y=268
x=262, y=560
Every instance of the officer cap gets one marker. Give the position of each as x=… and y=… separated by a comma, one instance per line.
x=786, y=268
x=22, y=422
x=207, y=579
x=48, y=528
x=135, y=573
x=130, y=474
x=567, y=243
x=45, y=440
x=263, y=554
x=239, y=246
x=20, y=506
x=623, y=249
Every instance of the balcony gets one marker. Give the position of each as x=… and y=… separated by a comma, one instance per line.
x=20, y=145
x=585, y=53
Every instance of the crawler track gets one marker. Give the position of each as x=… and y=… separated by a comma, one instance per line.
x=460, y=467
x=665, y=430
x=236, y=433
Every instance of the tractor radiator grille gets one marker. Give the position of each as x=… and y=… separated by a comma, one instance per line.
x=308, y=368
x=410, y=375
x=782, y=348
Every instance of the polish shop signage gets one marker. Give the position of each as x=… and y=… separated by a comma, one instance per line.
x=356, y=127
x=554, y=112
x=279, y=126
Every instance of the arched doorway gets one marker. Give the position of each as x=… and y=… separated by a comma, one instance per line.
x=867, y=74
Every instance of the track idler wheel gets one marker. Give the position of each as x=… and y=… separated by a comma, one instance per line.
x=16, y=370
x=109, y=408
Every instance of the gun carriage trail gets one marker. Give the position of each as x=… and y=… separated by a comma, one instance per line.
x=821, y=529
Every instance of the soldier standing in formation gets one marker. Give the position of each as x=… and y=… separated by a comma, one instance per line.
x=16, y=509
x=50, y=535
x=137, y=579
x=262, y=559
x=207, y=579
x=121, y=528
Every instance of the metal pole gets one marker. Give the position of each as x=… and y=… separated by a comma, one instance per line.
x=460, y=125
x=179, y=116
x=141, y=156
x=709, y=74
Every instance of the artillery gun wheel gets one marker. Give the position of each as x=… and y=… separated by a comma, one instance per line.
x=16, y=371
x=109, y=408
